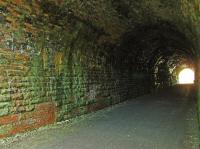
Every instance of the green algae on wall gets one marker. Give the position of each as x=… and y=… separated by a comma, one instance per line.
x=65, y=59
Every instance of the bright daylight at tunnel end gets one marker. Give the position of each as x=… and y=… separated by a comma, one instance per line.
x=60, y=59
x=186, y=76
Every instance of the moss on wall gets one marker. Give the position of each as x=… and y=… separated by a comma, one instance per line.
x=55, y=66
x=69, y=57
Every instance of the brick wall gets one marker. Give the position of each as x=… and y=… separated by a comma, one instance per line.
x=52, y=68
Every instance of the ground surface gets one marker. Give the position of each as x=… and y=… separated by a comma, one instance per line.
x=159, y=121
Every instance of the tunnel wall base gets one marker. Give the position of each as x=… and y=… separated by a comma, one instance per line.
x=54, y=105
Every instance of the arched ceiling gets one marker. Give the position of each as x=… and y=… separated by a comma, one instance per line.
x=141, y=31
x=117, y=17
x=148, y=44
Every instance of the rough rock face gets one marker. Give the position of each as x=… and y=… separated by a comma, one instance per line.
x=63, y=58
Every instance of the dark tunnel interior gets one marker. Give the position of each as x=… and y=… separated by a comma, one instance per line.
x=159, y=50
x=66, y=58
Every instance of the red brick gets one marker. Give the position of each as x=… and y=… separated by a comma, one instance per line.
x=44, y=114
x=8, y=119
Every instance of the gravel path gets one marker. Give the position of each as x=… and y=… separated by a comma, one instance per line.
x=158, y=121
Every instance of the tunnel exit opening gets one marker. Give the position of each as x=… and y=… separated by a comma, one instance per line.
x=186, y=76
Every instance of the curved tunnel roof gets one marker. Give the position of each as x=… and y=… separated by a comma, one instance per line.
x=145, y=30
x=118, y=17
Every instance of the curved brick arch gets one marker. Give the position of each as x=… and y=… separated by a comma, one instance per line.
x=61, y=59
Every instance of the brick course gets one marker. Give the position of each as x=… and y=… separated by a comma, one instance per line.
x=53, y=70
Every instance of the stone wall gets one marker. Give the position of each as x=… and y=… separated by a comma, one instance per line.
x=54, y=67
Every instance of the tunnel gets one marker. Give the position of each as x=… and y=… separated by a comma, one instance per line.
x=62, y=59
